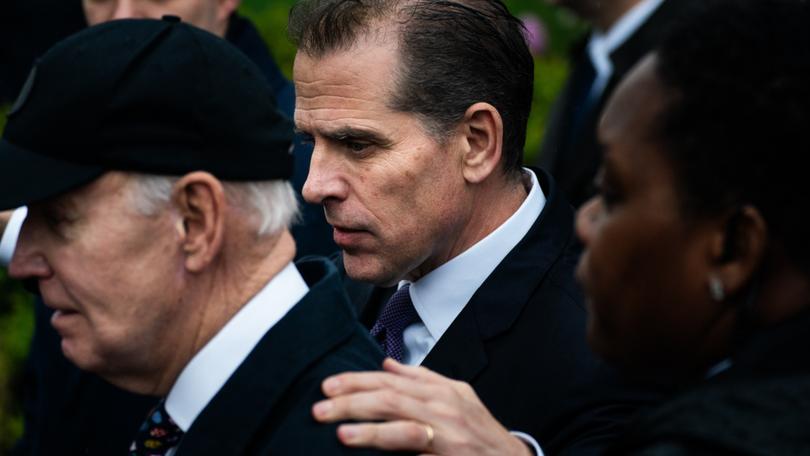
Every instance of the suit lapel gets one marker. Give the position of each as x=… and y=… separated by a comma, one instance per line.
x=248, y=398
x=498, y=303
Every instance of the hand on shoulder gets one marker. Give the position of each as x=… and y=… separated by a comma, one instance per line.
x=413, y=409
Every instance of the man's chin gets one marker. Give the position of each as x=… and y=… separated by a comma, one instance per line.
x=365, y=268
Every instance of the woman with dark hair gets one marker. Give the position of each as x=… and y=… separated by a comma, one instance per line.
x=696, y=261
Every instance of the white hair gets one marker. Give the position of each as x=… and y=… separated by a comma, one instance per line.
x=272, y=204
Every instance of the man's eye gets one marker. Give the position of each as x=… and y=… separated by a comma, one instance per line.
x=53, y=218
x=356, y=147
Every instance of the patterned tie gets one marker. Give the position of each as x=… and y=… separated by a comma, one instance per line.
x=157, y=435
x=397, y=315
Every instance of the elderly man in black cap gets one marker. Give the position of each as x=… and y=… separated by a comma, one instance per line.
x=158, y=232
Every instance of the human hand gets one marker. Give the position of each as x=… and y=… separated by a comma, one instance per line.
x=422, y=412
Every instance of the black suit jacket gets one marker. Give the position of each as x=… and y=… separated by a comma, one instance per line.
x=520, y=342
x=265, y=407
x=570, y=150
x=760, y=405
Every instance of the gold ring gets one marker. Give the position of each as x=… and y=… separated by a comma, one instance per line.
x=429, y=434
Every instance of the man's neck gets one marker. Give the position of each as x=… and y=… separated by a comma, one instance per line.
x=213, y=300
x=490, y=206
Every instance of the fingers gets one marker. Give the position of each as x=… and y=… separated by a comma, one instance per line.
x=426, y=376
x=355, y=382
x=391, y=436
x=373, y=405
x=413, y=372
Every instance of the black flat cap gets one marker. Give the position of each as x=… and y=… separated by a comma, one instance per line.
x=150, y=96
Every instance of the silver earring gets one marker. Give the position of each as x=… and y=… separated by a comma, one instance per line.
x=716, y=289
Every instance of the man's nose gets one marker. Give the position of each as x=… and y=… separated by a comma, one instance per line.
x=28, y=261
x=324, y=180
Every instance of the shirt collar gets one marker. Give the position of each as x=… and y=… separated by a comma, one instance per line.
x=211, y=367
x=441, y=295
x=602, y=43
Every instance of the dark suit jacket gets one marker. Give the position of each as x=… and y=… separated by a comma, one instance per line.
x=570, y=150
x=520, y=342
x=761, y=405
x=265, y=407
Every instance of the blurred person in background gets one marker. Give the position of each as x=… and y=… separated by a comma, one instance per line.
x=27, y=29
x=623, y=31
x=696, y=261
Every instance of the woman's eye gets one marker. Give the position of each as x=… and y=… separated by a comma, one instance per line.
x=609, y=197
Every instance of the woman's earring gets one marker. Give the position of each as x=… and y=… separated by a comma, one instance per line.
x=716, y=289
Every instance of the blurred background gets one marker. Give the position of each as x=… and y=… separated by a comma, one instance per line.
x=29, y=27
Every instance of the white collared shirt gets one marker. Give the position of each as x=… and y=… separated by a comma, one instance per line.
x=8, y=238
x=211, y=367
x=602, y=43
x=441, y=295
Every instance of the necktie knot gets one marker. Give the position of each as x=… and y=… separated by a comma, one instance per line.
x=397, y=315
x=157, y=435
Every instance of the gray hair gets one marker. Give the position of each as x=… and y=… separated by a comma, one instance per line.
x=271, y=204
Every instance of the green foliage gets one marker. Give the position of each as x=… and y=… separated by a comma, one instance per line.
x=16, y=328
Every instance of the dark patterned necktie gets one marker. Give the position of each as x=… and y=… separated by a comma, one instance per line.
x=397, y=315
x=157, y=435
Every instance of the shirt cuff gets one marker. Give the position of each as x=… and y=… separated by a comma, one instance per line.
x=529, y=441
x=9, y=240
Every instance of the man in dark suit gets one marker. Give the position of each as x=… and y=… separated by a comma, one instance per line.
x=459, y=258
x=168, y=266
x=623, y=32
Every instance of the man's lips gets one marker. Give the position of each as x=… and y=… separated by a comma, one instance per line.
x=61, y=317
x=348, y=237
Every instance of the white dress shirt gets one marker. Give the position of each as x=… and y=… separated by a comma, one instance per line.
x=211, y=367
x=442, y=294
x=603, y=43
x=8, y=239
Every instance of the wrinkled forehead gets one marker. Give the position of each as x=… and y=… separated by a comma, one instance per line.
x=109, y=186
x=362, y=77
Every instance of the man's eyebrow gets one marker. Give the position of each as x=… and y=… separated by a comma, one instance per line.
x=351, y=133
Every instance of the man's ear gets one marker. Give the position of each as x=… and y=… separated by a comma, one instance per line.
x=482, y=142
x=739, y=249
x=199, y=198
